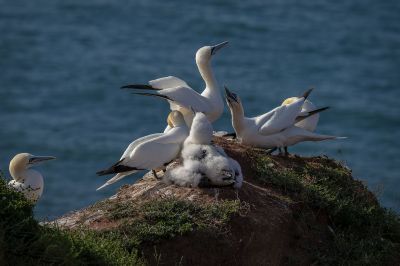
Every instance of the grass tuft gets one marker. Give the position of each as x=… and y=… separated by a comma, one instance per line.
x=364, y=233
x=24, y=242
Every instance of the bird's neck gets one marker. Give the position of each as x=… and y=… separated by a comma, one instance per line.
x=238, y=121
x=211, y=91
x=207, y=75
x=18, y=173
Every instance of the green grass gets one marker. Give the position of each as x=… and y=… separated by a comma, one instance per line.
x=360, y=231
x=363, y=233
x=24, y=242
x=167, y=218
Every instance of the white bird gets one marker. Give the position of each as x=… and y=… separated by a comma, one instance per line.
x=152, y=152
x=182, y=97
x=26, y=180
x=309, y=123
x=204, y=165
x=250, y=131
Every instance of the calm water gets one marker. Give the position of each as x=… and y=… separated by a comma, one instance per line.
x=62, y=62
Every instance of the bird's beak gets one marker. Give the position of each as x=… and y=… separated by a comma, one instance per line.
x=38, y=159
x=230, y=96
x=215, y=48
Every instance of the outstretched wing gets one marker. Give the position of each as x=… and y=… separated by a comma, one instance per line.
x=187, y=98
x=282, y=117
x=168, y=82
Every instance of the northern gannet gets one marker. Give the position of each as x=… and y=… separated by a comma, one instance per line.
x=249, y=131
x=150, y=152
x=204, y=164
x=182, y=97
x=26, y=180
x=309, y=123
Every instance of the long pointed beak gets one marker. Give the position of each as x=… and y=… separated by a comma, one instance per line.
x=215, y=48
x=39, y=159
x=230, y=95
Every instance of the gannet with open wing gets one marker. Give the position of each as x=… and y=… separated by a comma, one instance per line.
x=182, y=97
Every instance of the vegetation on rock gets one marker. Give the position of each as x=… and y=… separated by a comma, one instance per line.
x=291, y=211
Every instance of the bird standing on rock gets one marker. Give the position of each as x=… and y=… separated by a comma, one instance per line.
x=275, y=129
x=182, y=97
x=152, y=152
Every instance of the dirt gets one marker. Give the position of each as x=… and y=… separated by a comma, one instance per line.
x=269, y=229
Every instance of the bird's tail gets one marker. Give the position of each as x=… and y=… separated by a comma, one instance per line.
x=320, y=137
x=116, y=168
x=115, y=178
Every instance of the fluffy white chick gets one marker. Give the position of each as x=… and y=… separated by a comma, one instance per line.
x=204, y=165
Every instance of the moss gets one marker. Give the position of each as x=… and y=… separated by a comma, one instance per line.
x=163, y=219
x=356, y=229
x=24, y=242
x=363, y=233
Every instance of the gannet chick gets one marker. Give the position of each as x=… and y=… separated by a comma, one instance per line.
x=204, y=165
x=152, y=152
x=249, y=131
x=26, y=180
x=182, y=97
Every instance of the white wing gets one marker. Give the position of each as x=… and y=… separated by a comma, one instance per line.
x=152, y=155
x=187, y=98
x=158, y=150
x=282, y=117
x=311, y=122
x=138, y=141
x=168, y=82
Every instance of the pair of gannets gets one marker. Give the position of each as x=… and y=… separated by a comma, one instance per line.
x=26, y=180
x=279, y=128
x=204, y=164
x=182, y=97
x=151, y=152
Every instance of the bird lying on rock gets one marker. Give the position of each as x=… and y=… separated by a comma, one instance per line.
x=204, y=164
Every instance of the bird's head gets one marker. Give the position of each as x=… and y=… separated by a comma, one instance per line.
x=175, y=119
x=289, y=100
x=204, y=54
x=24, y=161
x=233, y=101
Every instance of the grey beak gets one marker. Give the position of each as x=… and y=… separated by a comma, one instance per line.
x=39, y=159
x=215, y=48
x=230, y=95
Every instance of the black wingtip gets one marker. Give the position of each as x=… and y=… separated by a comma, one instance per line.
x=153, y=94
x=318, y=110
x=307, y=93
x=139, y=87
x=102, y=172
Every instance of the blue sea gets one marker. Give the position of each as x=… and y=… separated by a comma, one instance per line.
x=62, y=63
